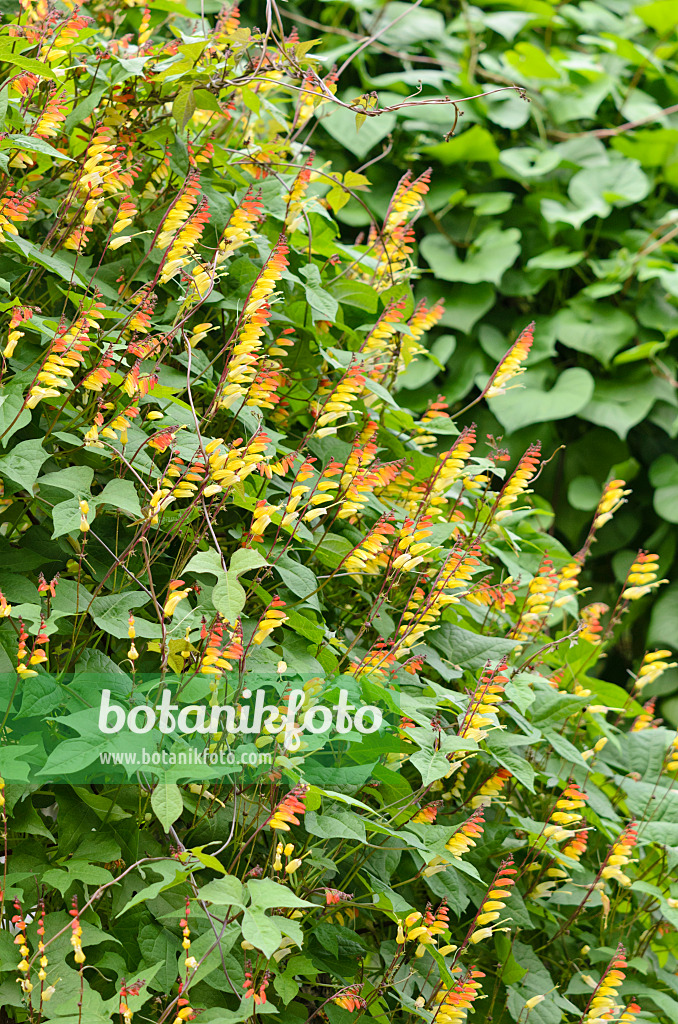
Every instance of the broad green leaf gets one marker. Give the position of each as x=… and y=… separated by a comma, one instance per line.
x=33, y=144
x=12, y=414
x=22, y=464
x=323, y=304
x=340, y=124
x=224, y=892
x=36, y=67
x=524, y=404
x=262, y=931
x=184, y=107
x=228, y=598
x=75, y=480
x=111, y=613
x=244, y=560
x=67, y=517
x=297, y=577
x=206, y=561
x=431, y=765
x=335, y=825
x=470, y=650
x=595, y=328
x=122, y=495
x=659, y=15
x=167, y=803
x=491, y=253
x=266, y=894
x=475, y=143
x=171, y=875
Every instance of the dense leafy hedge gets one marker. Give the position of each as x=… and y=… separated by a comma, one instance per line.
x=561, y=208
x=214, y=485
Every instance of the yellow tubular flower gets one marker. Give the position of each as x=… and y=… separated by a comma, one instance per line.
x=517, y=483
x=455, y=1003
x=653, y=665
x=484, y=704
x=603, y=1004
x=620, y=855
x=493, y=903
x=614, y=496
x=642, y=577
x=273, y=617
x=174, y=597
x=511, y=365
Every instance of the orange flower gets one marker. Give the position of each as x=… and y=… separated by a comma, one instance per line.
x=511, y=365
x=287, y=810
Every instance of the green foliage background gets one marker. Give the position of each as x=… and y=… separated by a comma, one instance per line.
x=559, y=208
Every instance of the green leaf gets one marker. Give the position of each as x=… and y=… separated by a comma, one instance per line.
x=519, y=767
x=340, y=124
x=520, y=691
x=336, y=825
x=122, y=495
x=297, y=577
x=72, y=756
x=431, y=765
x=206, y=561
x=33, y=144
x=12, y=414
x=37, y=67
x=75, y=480
x=224, y=892
x=84, y=108
x=228, y=597
x=491, y=253
x=167, y=803
x=66, y=517
x=170, y=875
x=553, y=707
x=244, y=560
x=323, y=304
x=660, y=15
x=262, y=931
x=266, y=894
x=111, y=613
x=40, y=695
x=57, y=263
x=184, y=107
x=555, y=259
x=599, y=329
x=664, y=620
x=474, y=144
x=22, y=464
x=520, y=406
x=470, y=650
x=531, y=62
x=619, y=405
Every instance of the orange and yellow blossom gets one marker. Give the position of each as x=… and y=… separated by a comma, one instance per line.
x=285, y=814
x=511, y=365
x=517, y=484
x=603, y=1003
x=620, y=855
x=642, y=577
x=653, y=665
x=455, y=1003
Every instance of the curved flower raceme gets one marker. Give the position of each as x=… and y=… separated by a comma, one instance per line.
x=642, y=577
x=287, y=811
x=517, y=484
x=652, y=667
x=511, y=365
x=620, y=855
x=603, y=1003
